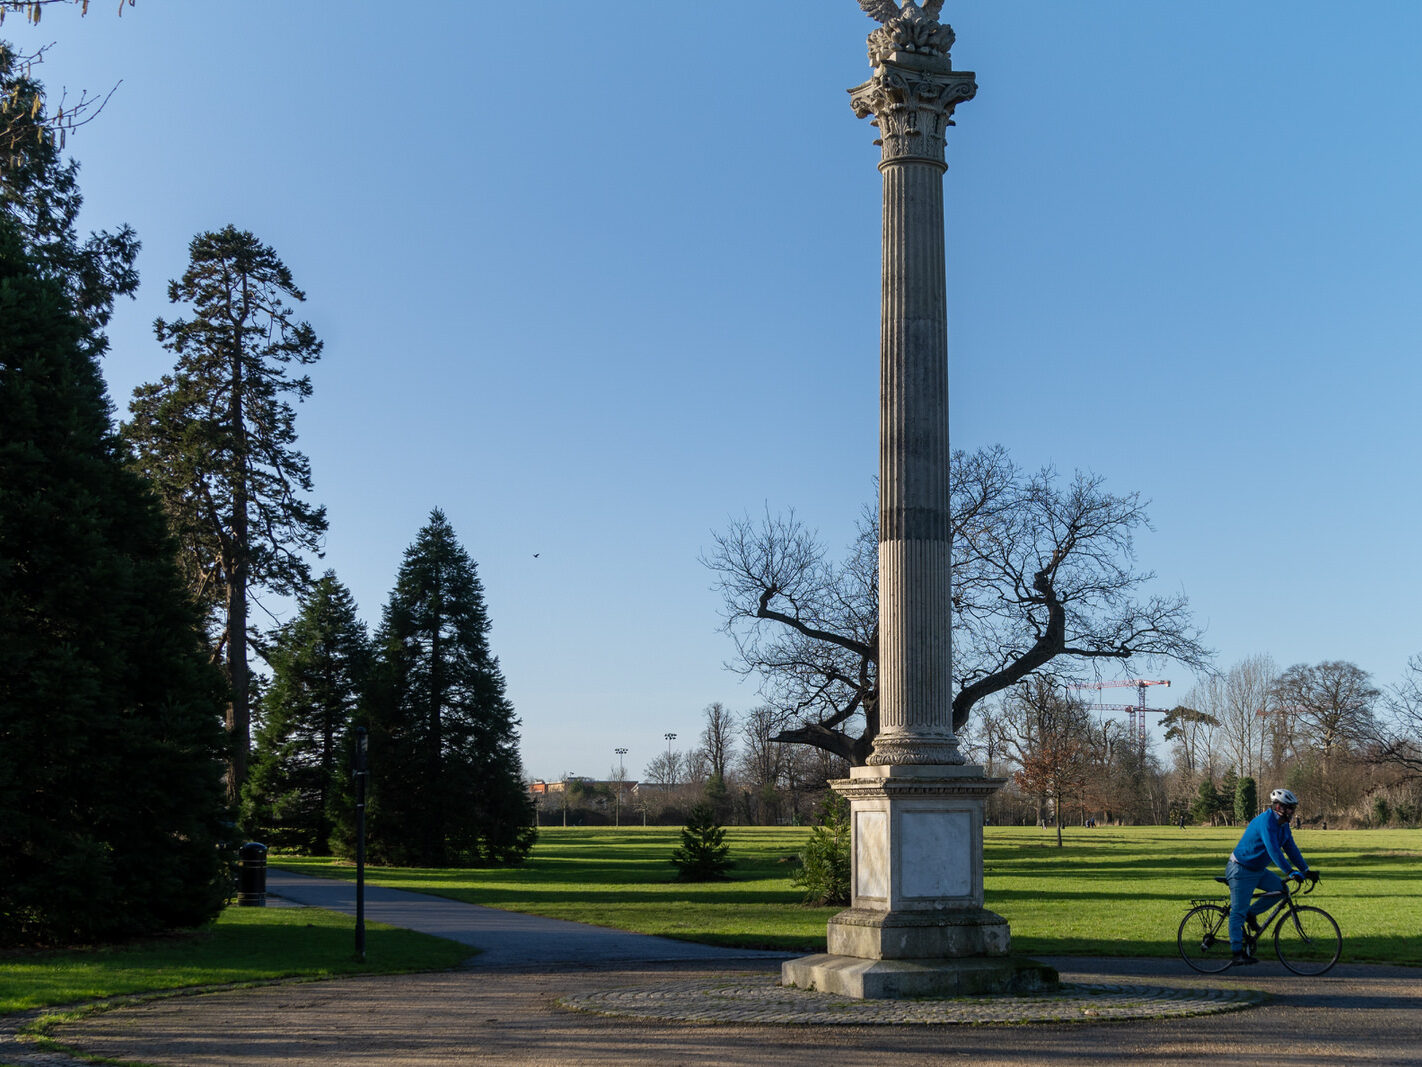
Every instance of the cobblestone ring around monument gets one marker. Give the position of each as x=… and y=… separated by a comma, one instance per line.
x=760, y=1000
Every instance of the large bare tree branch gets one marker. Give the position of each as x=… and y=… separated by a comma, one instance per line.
x=1044, y=575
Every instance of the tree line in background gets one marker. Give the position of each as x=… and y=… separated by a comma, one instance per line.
x=129, y=563
x=1352, y=752
x=738, y=768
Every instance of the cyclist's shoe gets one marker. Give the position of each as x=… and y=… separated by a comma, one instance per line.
x=1251, y=927
x=1242, y=959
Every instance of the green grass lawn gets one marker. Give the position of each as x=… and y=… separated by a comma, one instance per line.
x=243, y=945
x=1110, y=891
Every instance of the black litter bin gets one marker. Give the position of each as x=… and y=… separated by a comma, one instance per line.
x=252, y=875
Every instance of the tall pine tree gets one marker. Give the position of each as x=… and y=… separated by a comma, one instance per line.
x=320, y=663
x=217, y=439
x=111, y=808
x=446, y=778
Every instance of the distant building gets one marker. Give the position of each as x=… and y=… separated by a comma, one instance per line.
x=539, y=788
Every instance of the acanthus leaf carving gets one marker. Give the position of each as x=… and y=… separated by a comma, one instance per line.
x=912, y=108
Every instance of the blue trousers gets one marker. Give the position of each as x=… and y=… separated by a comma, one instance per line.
x=1242, y=883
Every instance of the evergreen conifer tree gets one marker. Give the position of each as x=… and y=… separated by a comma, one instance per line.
x=446, y=778
x=1246, y=799
x=320, y=664
x=111, y=809
x=217, y=439
x=1229, y=785
x=1207, y=803
x=825, y=864
x=703, y=855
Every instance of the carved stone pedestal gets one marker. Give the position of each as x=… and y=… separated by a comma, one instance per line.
x=916, y=925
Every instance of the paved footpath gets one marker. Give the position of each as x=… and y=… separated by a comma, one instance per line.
x=504, y=938
x=512, y=1004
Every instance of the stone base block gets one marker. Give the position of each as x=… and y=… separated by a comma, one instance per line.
x=911, y=935
x=901, y=979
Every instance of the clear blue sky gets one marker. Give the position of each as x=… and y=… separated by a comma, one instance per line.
x=594, y=277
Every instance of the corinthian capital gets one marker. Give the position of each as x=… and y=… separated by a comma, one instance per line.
x=912, y=104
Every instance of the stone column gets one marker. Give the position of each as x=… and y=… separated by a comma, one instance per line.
x=912, y=97
x=916, y=925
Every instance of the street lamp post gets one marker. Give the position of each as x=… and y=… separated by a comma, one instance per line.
x=362, y=773
x=671, y=767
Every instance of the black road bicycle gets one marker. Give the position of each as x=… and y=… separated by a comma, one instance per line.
x=1306, y=939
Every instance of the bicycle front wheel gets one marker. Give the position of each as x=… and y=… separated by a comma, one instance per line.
x=1307, y=940
x=1204, y=938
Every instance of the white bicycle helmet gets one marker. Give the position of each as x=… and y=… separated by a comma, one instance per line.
x=1283, y=796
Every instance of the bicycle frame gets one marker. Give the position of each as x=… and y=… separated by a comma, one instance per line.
x=1285, y=904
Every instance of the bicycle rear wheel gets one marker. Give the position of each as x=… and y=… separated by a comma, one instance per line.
x=1307, y=941
x=1204, y=938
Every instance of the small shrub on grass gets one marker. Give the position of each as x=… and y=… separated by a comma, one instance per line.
x=824, y=870
x=703, y=853
x=1382, y=812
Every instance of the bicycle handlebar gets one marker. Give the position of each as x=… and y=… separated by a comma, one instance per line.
x=1302, y=886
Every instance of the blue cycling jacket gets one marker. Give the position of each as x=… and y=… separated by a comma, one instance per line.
x=1268, y=837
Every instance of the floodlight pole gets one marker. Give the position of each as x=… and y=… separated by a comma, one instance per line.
x=621, y=774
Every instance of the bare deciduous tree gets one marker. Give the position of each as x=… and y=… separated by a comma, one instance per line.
x=1043, y=574
x=1332, y=702
x=666, y=769
x=718, y=739
x=1397, y=735
x=762, y=766
x=1049, y=733
x=1241, y=699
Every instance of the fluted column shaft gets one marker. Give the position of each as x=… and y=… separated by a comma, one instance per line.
x=916, y=925
x=912, y=100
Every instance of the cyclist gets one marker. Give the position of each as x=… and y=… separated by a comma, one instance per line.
x=1267, y=837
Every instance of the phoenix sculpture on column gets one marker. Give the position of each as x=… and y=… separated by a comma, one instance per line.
x=911, y=28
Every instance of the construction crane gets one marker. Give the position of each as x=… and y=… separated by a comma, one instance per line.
x=1137, y=711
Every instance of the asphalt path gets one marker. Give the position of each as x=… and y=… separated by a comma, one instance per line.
x=502, y=1007
x=505, y=939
